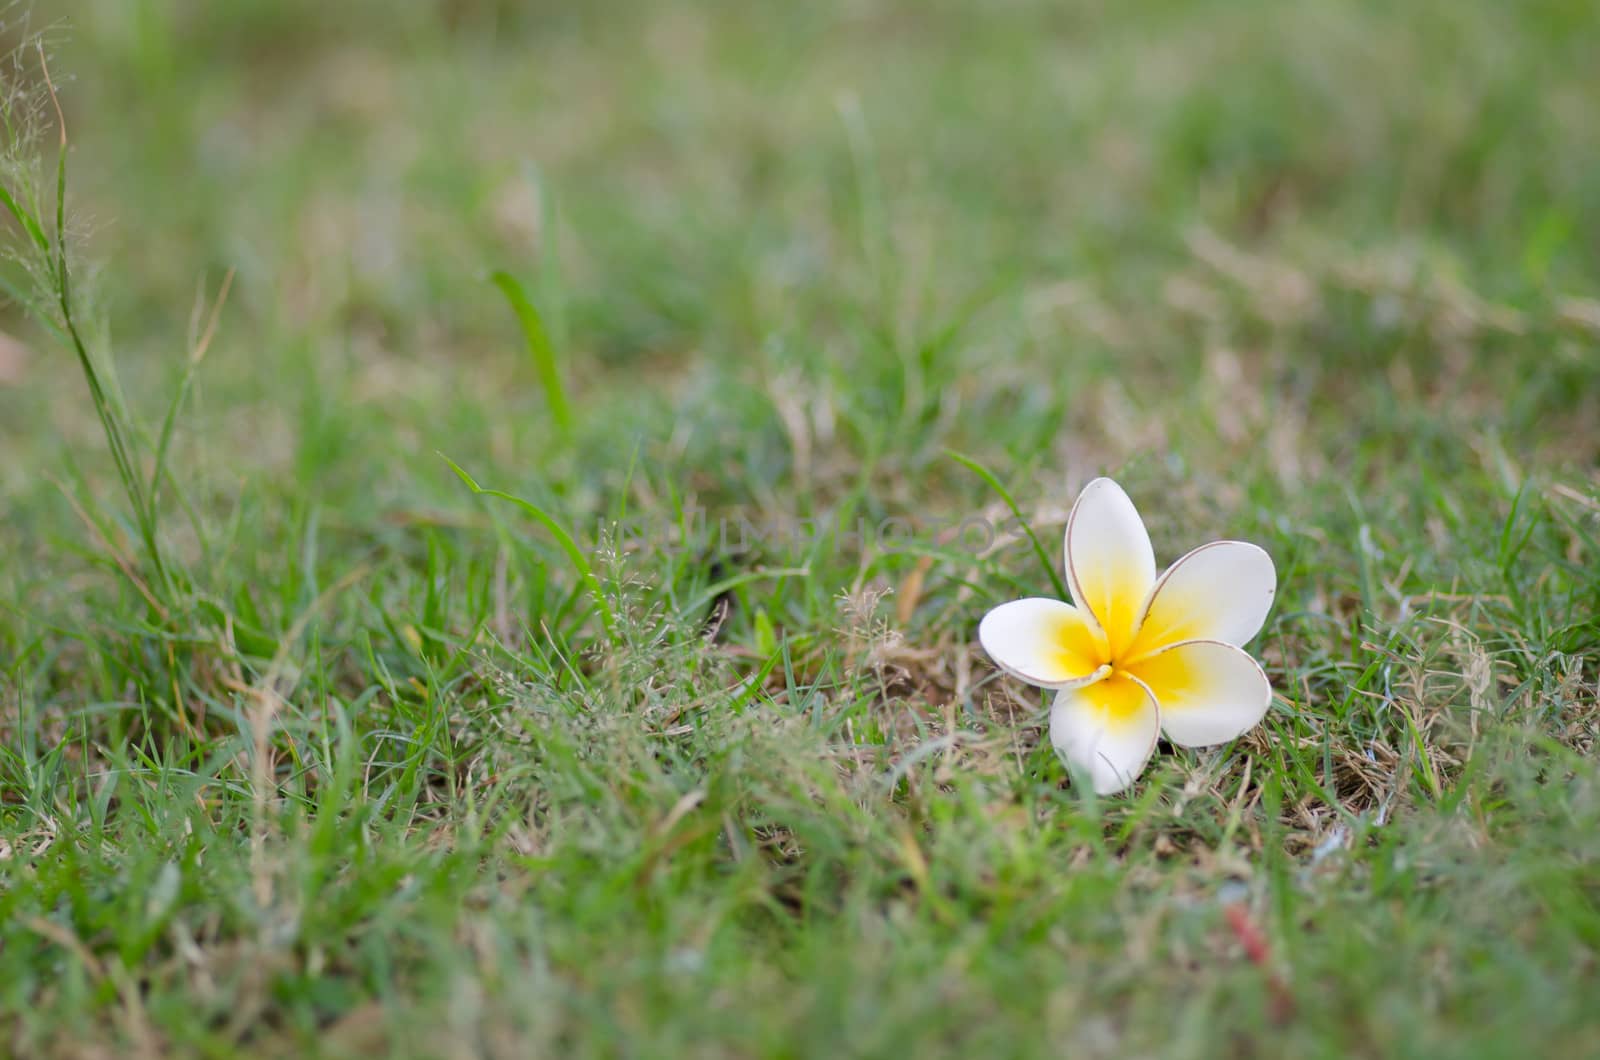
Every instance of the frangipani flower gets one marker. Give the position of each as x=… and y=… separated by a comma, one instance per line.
x=1134, y=656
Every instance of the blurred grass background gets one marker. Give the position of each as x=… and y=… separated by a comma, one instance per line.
x=731, y=193
x=1321, y=275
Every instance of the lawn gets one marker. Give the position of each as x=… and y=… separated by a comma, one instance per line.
x=512, y=586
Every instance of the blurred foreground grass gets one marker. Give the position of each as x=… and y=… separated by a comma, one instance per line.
x=1320, y=276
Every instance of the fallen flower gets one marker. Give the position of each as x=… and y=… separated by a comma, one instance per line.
x=1132, y=656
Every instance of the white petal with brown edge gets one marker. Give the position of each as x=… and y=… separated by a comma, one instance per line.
x=1108, y=729
x=1044, y=642
x=1209, y=692
x=1221, y=591
x=1110, y=564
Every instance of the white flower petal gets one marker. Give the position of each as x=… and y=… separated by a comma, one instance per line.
x=1209, y=692
x=1221, y=591
x=1107, y=728
x=1048, y=643
x=1110, y=564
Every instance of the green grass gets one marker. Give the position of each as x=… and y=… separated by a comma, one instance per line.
x=367, y=768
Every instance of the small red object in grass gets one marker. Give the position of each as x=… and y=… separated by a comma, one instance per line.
x=1250, y=937
x=1255, y=948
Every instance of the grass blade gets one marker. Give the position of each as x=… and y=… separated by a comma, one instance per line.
x=575, y=556
x=196, y=354
x=540, y=350
x=29, y=223
x=1038, y=549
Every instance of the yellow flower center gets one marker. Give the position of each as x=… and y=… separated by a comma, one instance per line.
x=1121, y=673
